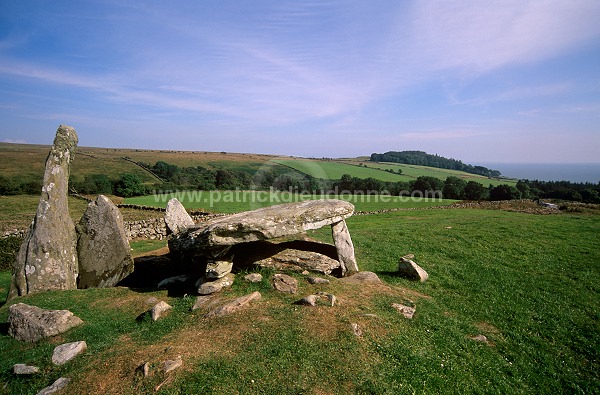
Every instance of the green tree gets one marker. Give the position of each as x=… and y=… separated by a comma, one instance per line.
x=504, y=192
x=129, y=185
x=475, y=191
x=454, y=188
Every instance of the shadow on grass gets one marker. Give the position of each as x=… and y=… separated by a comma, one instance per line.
x=4, y=328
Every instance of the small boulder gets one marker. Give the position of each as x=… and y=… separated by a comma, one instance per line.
x=201, y=301
x=207, y=287
x=31, y=323
x=218, y=268
x=177, y=218
x=66, y=352
x=362, y=278
x=172, y=364
x=317, y=280
x=234, y=306
x=308, y=300
x=253, y=277
x=22, y=369
x=356, y=330
x=56, y=386
x=299, y=260
x=160, y=310
x=406, y=311
x=409, y=269
x=285, y=283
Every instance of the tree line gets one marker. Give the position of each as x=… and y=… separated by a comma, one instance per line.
x=424, y=159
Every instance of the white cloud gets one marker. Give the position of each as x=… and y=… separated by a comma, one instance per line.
x=15, y=141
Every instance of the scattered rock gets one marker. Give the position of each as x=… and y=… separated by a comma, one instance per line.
x=253, y=277
x=317, y=280
x=31, y=323
x=480, y=338
x=47, y=259
x=22, y=369
x=356, y=329
x=308, y=300
x=177, y=218
x=330, y=297
x=409, y=269
x=160, y=310
x=234, y=306
x=201, y=301
x=102, y=246
x=56, y=386
x=66, y=352
x=145, y=368
x=172, y=364
x=406, y=311
x=362, y=278
x=207, y=287
x=285, y=283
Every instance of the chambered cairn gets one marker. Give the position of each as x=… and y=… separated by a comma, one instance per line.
x=47, y=259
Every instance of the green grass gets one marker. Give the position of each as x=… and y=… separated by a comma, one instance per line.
x=529, y=283
x=237, y=201
x=333, y=170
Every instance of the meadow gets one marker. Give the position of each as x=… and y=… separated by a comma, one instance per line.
x=528, y=283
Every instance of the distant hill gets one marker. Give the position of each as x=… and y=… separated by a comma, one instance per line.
x=424, y=159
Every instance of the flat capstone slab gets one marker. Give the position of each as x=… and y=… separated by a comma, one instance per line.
x=268, y=223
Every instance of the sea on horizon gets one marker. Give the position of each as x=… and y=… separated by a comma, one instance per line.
x=574, y=172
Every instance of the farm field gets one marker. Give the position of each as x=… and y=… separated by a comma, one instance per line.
x=511, y=277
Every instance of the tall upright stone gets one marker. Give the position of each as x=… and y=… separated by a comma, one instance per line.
x=47, y=259
x=102, y=246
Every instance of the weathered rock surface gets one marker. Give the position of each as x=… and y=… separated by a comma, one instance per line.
x=66, y=352
x=234, y=306
x=22, y=369
x=47, y=259
x=102, y=246
x=285, y=283
x=207, y=286
x=317, y=280
x=409, y=269
x=299, y=260
x=362, y=278
x=218, y=268
x=253, y=277
x=201, y=301
x=308, y=300
x=31, y=323
x=177, y=218
x=356, y=329
x=313, y=300
x=56, y=386
x=344, y=246
x=406, y=311
x=159, y=310
x=172, y=364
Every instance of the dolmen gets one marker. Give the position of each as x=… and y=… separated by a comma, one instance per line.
x=214, y=241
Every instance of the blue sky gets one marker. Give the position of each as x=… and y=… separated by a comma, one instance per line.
x=481, y=81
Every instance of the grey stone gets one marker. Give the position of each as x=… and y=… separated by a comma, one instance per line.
x=308, y=300
x=291, y=259
x=480, y=338
x=22, y=369
x=102, y=246
x=66, y=352
x=159, y=310
x=409, y=269
x=406, y=311
x=47, y=259
x=234, y=306
x=177, y=218
x=362, y=278
x=31, y=323
x=317, y=280
x=356, y=329
x=285, y=283
x=207, y=287
x=56, y=386
x=344, y=246
x=253, y=277
x=172, y=364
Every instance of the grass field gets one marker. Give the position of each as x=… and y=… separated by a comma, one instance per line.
x=529, y=283
x=237, y=201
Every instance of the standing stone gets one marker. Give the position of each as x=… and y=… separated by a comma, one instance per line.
x=102, y=246
x=344, y=247
x=47, y=259
x=176, y=218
